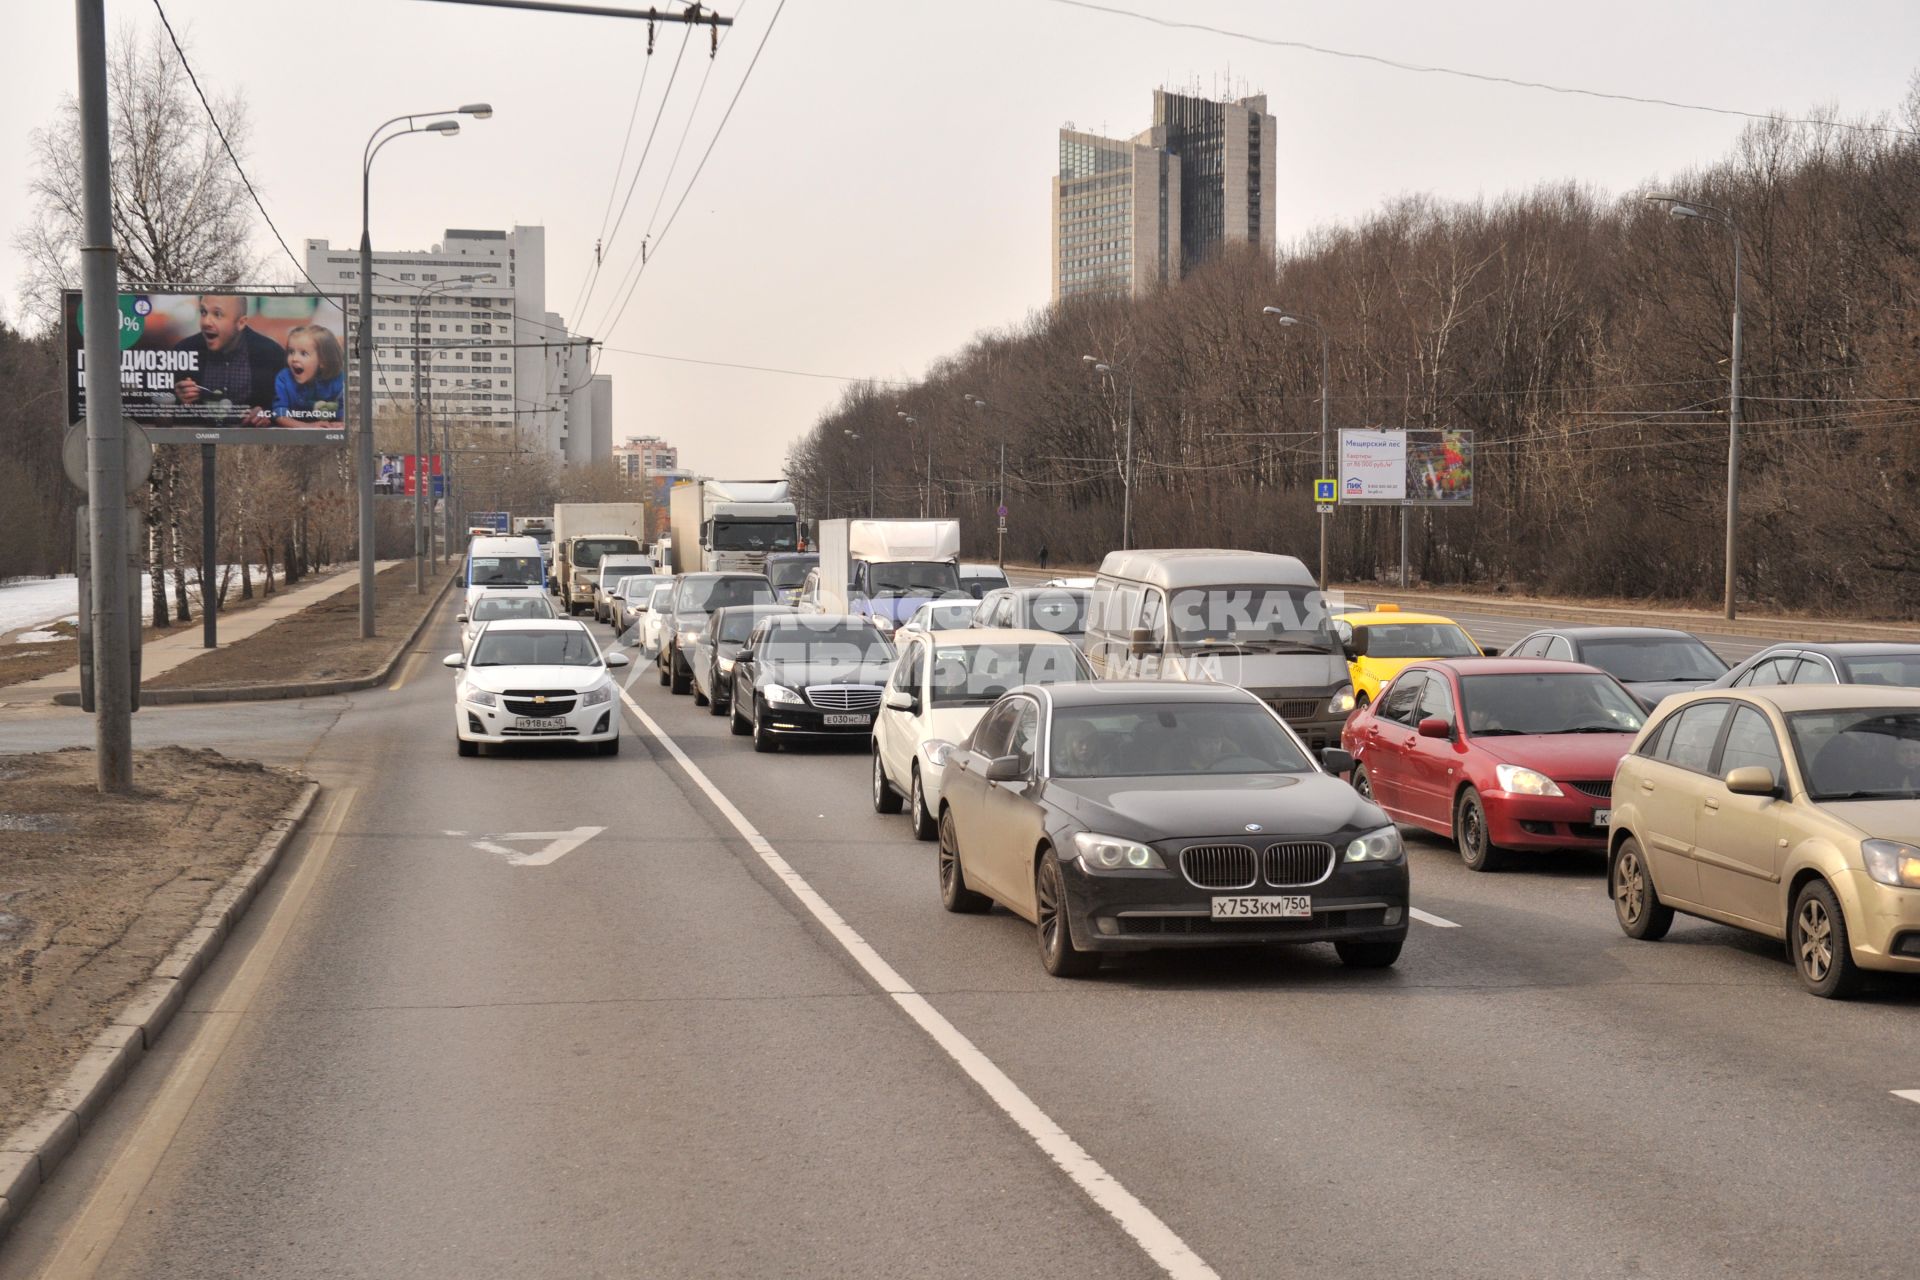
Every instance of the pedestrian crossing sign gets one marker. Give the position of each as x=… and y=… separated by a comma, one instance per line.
x=1326, y=491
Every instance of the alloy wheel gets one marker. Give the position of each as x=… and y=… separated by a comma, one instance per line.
x=1629, y=888
x=1048, y=895
x=1816, y=939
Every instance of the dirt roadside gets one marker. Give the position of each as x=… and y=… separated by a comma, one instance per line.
x=96, y=890
x=321, y=642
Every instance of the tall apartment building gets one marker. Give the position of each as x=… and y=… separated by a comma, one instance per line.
x=492, y=354
x=1130, y=215
x=643, y=455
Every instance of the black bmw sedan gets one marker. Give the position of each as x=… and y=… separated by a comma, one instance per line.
x=1130, y=815
x=809, y=675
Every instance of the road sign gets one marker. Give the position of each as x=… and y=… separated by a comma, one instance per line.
x=73, y=455
x=1003, y=511
x=1326, y=491
x=1324, y=508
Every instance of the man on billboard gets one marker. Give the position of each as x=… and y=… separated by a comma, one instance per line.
x=237, y=367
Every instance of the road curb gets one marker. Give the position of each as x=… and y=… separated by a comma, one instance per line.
x=31, y=1153
x=282, y=692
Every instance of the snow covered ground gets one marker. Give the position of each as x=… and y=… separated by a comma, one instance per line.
x=39, y=602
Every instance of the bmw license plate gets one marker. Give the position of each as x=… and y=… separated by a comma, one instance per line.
x=846, y=718
x=1286, y=906
x=1602, y=817
x=536, y=722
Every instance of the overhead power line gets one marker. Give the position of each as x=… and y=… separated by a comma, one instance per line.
x=1485, y=77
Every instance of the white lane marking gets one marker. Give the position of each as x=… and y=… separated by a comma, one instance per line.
x=1911, y=1095
x=1427, y=917
x=558, y=844
x=1155, y=1237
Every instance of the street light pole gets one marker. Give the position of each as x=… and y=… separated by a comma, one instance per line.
x=1000, y=507
x=1126, y=466
x=926, y=494
x=1289, y=318
x=1679, y=208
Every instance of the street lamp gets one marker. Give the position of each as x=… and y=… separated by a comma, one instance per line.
x=1290, y=318
x=926, y=497
x=1126, y=467
x=1001, y=513
x=379, y=138
x=1679, y=208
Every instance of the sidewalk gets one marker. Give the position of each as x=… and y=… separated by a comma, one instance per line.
x=167, y=652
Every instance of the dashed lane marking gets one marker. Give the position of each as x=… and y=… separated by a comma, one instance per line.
x=1911, y=1095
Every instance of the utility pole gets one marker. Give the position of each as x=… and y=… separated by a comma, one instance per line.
x=419, y=468
x=106, y=432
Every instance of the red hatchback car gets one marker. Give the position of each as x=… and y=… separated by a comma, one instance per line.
x=1497, y=753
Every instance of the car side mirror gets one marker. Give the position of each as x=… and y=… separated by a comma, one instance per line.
x=1752, y=780
x=1141, y=640
x=454, y=660
x=903, y=700
x=1005, y=769
x=1349, y=649
x=617, y=660
x=1435, y=727
x=459, y=617
x=1336, y=761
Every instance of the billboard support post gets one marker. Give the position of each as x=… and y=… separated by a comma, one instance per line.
x=209, y=608
x=1403, y=545
x=106, y=433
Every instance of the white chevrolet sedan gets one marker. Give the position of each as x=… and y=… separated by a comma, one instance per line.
x=529, y=680
x=942, y=684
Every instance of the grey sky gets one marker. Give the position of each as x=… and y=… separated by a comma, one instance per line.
x=881, y=192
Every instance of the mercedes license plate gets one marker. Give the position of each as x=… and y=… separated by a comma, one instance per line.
x=1286, y=906
x=537, y=722
x=848, y=717
x=1602, y=817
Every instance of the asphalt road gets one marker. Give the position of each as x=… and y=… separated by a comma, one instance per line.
x=651, y=1057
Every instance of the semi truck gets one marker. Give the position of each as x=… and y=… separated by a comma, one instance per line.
x=885, y=569
x=583, y=532
x=731, y=525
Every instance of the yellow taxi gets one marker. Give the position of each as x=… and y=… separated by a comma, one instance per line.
x=1379, y=642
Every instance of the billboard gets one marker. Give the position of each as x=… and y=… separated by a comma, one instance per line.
x=1423, y=467
x=224, y=368
x=393, y=474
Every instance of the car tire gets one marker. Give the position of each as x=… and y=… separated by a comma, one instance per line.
x=1369, y=955
x=954, y=894
x=1360, y=701
x=715, y=707
x=885, y=798
x=611, y=747
x=739, y=723
x=924, y=827
x=468, y=748
x=1362, y=784
x=699, y=699
x=1470, y=834
x=1058, y=956
x=762, y=740
x=677, y=682
x=1817, y=939
x=1636, y=904
x=663, y=667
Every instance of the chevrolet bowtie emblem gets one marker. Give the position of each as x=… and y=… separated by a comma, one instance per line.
x=540, y=698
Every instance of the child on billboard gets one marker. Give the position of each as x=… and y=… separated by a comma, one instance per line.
x=308, y=391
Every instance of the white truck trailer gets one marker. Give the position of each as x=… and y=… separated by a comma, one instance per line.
x=886, y=569
x=731, y=525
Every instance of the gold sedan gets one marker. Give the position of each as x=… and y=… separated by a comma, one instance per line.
x=1792, y=810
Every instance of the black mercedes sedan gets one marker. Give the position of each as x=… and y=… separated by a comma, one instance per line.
x=1128, y=815
x=809, y=675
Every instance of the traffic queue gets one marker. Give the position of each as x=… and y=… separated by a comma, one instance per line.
x=1197, y=748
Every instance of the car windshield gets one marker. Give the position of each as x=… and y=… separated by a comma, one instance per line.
x=1543, y=702
x=572, y=647
x=947, y=617
x=788, y=573
x=493, y=609
x=735, y=625
x=1171, y=739
x=495, y=571
x=835, y=642
x=1901, y=669
x=754, y=535
x=661, y=594
x=637, y=591
x=541, y=536
x=1632, y=658
x=704, y=595
x=1418, y=640
x=973, y=675
x=1862, y=753
x=1277, y=619
x=913, y=578
x=588, y=552
x=1060, y=611
x=611, y=573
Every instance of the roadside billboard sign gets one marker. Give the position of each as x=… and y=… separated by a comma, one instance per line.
x=223, y=367
x=498, y=521
x=393, y=475
x=1423, y=467
x=1440, y=468
x=1373, y=466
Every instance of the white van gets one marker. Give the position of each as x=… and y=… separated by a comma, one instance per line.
x=503, y=562
x=1246, y=618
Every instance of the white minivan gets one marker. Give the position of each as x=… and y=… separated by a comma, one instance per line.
x=502, y=562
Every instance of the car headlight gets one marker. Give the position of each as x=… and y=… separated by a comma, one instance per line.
x=725, y=665
x=1377, y=846
x=1891, y=862
x=594, y=697
x=881, y=622
x=1341, y=702
x=1525, y=782
x=1110, y=853
x=936, y=750
x=479, y=697
x=780, y=693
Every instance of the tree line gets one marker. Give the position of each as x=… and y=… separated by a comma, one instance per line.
x=1582, y=338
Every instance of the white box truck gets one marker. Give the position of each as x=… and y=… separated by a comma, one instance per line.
x=886, y=569
x=731, y=525
x=583, y=532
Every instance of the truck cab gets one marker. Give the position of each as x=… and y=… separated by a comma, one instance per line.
x=884, y=569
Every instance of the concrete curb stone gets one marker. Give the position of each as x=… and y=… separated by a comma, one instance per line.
x=281, y=692
x=31, y=1153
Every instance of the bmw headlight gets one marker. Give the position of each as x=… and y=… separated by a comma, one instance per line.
x=479, y=697
x=594, y=697
x=780, y=693
x=1891, y=862
x=1342, y=702
x=1110, y=853
x=1377, y=846
x=936, y=751
x=1525, y=782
